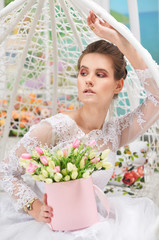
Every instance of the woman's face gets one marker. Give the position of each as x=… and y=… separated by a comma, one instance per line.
x=96, y=83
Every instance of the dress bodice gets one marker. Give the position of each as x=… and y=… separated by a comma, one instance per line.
x=60, y=129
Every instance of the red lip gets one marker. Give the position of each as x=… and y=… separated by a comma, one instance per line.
x=88, y=90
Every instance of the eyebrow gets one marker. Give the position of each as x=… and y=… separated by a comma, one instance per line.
x=99, y=69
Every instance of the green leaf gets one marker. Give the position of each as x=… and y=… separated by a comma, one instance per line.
x=135, y=154
x=130, y=193
x=120, y=164
x=142, y=179
x=124, y=193
x=131, y=157
x=130, y=169
x=121, y=159
x=118, y=152
x=119, y=178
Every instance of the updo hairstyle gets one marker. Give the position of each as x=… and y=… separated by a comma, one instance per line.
x=110, y=50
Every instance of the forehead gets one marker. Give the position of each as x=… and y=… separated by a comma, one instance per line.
x=97, y=61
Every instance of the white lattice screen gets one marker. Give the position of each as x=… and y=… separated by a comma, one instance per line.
x=40, y=42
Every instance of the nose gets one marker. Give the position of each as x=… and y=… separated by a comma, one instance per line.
x=89, y=82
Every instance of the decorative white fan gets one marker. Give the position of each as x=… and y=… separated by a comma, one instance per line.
x=40, y=42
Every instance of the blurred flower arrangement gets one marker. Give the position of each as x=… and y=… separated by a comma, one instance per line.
x=133, y=175
x=72, y=162
x=29, y=110
x=127, y=176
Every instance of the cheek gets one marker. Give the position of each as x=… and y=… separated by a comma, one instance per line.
x=107, y=91
x=79, y=86
x=108, y=87
x=80, y=82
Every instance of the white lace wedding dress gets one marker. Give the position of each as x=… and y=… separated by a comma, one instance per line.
x=130, y=218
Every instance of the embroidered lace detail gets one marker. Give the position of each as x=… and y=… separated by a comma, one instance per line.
x=143, y=75
x=140, y=120
x=152, y=98
x=150, y=85
x=59, y=130
x=11, y=171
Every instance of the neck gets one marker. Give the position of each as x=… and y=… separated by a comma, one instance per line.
x=91, y=118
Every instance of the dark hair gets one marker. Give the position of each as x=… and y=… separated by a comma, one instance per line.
x=110, y=50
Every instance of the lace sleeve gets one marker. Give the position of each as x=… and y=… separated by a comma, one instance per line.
x=11, y=172
x=135, y=123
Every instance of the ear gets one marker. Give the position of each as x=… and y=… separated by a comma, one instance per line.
x=119, y=86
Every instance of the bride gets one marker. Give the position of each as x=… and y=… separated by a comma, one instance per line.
x=102, y=70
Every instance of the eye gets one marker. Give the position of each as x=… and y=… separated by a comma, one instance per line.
x=83, y=72
x=101, y=75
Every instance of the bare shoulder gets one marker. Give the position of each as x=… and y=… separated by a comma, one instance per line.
x=72, y=114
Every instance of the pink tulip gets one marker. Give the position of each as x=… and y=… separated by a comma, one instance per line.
x=92, y=143
x=31, y=170
x=95, y=160
x=68, y=146
x=64, y=151
x=44, y=160
x=32, y=167
x=39, y=150
x=57, y=169
x=26, y=156
x=76, y=143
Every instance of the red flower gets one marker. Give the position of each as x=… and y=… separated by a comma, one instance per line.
x=130, y=177
x=114, y=175
x=140, y=171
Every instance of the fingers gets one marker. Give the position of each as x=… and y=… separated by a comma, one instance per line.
x=92, y=16
x=46, y=211
x=46, y=208
x=47, y=214
x=45, y=199
x=93, y=20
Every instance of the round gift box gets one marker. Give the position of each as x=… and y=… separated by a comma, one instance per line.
x=73, y=203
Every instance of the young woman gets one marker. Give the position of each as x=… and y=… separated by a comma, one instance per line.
x=102, y=70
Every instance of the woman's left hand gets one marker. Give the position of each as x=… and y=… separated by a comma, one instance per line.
x=107, y=32
x=102, y=28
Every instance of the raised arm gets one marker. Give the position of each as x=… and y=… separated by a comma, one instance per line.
x=11, y=172
x=133, y=124
x=105, y=31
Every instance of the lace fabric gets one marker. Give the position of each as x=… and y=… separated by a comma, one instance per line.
x=59, y=130
x=10, y=170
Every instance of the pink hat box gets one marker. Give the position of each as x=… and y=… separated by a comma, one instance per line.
x=74, y=204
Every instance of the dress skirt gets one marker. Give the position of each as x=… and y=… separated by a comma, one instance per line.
x=129, y=219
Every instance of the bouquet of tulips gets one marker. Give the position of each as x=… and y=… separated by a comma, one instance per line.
x=74, y=161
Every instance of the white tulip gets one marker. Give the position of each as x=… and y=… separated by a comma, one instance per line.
x=98, y=165
x=74, y=174
x=82, y=163
x=44, y=173
x=106, y=165
x=48, y=180
x=105, y=153
x=67, y=178
x=70, y=167
x=86, y=174
x=42, y=178
x=36, y=177
x=51, y=164
x=57, y=177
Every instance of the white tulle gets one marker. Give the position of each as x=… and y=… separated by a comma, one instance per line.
x=133, y=219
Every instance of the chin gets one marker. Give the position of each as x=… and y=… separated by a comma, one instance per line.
x=88, y=101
